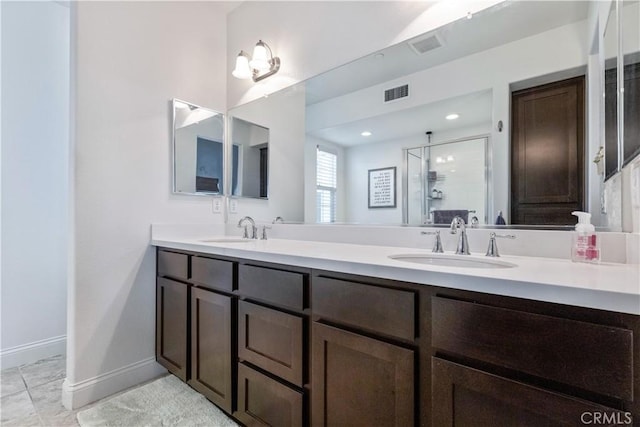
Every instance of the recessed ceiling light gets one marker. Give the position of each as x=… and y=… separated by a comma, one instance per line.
x=452, y=116
x=379, y=55
x=469, y=15
x=366, y=133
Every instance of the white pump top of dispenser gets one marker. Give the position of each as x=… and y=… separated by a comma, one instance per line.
x=584, y=222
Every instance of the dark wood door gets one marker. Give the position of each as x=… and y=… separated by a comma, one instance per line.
x=360, y=381
x=547, y=153
x=172, y=306
x=463, y=396
x=211, y=369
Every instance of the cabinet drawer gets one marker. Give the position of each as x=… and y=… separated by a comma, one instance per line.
x=173, y=264
x=271, y=340
x=468, y=397
x=263, y=401
x=212, y=273
x=280, y=287
x=387, y=311
x=589, y=356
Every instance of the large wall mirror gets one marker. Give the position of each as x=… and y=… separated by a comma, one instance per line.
x=513, y=79
x=198, y=149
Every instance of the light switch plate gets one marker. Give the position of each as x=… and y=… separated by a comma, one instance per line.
x=233, y=206
x=217, y=205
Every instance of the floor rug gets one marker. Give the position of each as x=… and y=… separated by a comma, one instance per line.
x=164, y=402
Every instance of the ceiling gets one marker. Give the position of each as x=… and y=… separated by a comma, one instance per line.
x=474, y=109
x=503, y=23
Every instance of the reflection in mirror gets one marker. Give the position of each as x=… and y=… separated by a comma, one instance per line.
x=611, y=93
x=630, y=16
x=507, y=50
x=482, y=62
x=447, y=180
x=249, y=159
x=198, y=149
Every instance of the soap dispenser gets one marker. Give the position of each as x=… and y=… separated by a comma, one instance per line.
x=585, y=246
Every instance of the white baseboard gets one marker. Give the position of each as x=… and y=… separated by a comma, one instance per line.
x=84, y=392
x=32, y=352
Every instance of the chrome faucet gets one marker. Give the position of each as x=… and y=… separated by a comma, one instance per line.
x=254, y=229
x=437, y=245
x=463, y=245
x=492, y=250
x=278, y=219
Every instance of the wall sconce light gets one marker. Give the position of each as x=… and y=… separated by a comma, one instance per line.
x=259, y=66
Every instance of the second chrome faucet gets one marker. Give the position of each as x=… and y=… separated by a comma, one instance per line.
x=252, y=223
x=463, y=245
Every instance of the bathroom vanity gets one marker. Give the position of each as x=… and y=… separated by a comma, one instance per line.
x=281, y=337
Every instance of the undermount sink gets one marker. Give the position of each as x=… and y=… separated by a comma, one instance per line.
x=452, y=261
x=225, y=240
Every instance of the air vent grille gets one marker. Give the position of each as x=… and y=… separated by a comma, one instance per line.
x=396, y=93
x=424, y=45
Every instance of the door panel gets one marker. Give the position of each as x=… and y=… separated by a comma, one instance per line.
x=547, y=153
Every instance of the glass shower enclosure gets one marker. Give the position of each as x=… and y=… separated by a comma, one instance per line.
x=442, y=180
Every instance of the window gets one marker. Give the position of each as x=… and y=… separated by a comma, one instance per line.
x=326, y=179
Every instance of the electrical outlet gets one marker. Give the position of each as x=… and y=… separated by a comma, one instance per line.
x=217, y=205
x=233, y=206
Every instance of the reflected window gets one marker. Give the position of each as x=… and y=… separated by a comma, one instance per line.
x=326, y=183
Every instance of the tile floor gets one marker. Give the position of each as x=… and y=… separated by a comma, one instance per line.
x=31, y=395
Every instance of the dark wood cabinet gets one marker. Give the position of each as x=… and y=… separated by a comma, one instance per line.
x=288, y=346
x=272, y=351
x=584, y=355
x=172, y=308
x=211, y=347
x=360, y=381
x=465, y=396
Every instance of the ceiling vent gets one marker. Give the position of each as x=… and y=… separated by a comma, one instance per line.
x=425, y=44
x=396, y=93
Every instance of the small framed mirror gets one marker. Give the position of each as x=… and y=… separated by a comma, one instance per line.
x=249, y=159
x=198, y=149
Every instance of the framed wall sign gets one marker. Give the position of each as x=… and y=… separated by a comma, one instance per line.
x=382, y=188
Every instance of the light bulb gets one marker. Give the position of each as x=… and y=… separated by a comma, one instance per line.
x=259, y=59
x=242, y=70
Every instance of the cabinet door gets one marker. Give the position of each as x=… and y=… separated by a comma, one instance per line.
x=211, y=346
x=463, y=396
x=172, y=305
x=360, y=381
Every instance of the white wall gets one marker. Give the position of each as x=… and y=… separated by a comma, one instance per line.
x=35, y=130
x=131, y=59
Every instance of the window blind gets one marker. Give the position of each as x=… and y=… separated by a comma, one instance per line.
x=326, y=183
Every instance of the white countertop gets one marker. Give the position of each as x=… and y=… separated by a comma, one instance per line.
x=606, y=286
